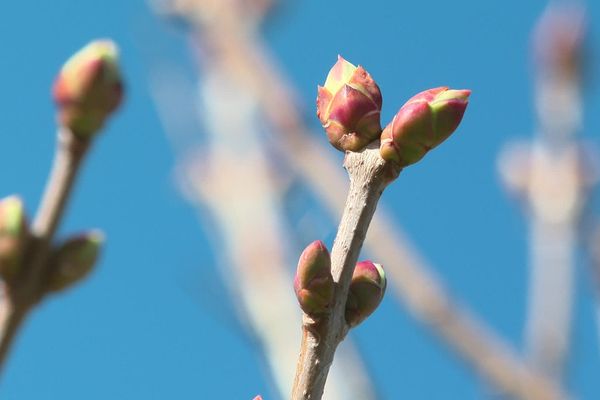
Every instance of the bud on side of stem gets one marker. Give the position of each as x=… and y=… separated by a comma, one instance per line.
x=366, y=292
x=88, y=88
x=13, y=236
x=73, y=260
x=423, y=122
x=349, y=106
x=313, y=283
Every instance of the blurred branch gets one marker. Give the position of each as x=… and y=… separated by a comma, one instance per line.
x=11, y=318
x=234, y=179
x=69, y=154
x=27, y=290
x=550, y=177
x=87, y=90
x=593, y=249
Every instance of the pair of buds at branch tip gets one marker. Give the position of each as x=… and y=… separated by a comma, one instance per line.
x=69, y=261
x=314, y=285
x=88, y=88
x=349, y=108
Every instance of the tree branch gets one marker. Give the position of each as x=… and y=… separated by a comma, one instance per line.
x=369, y=175
x=28, y=289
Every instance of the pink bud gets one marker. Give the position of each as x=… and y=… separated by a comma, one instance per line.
x=349, y=106
x=366, y=292
x=313, y=283
x=423, y=122
x=88, y=88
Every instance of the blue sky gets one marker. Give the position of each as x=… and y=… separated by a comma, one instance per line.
x=145, y=326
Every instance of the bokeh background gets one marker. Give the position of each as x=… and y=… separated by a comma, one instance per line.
x=154, y=321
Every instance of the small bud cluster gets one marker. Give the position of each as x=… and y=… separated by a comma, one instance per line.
x=68, y=263
x=349, y=108
x=314, y=285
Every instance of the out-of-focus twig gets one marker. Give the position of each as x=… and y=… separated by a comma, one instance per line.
x=11, y=318
x=550, y=176
x=27, y=290
x=87, y=90
x=234, y=179
x=593, y=245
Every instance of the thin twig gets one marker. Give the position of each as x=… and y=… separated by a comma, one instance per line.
x=369, y=175
x=70, y=152
x=555, y=194
x=27, y=289
x=11, y=318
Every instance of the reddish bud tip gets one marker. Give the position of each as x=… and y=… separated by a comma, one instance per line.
x=313, y=283
x=349, y=106
x=88, y=88
x=423, y=122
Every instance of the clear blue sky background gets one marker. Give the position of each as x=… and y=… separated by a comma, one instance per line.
x=148, y=324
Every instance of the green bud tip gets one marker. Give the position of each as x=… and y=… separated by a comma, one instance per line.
x=93, y=242
x=12, y=216
x=74, y=259
x=13, y=236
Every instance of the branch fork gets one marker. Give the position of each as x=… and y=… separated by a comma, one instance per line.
x=87, y=90
x=349, y=108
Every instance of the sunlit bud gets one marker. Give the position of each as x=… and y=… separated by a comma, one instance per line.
x=313, y=283
x=259, y=397
x=349, y=106
x=366, y=292
x=73, y=260
x=423, y=122
x=13, y=235
x=88, y=88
